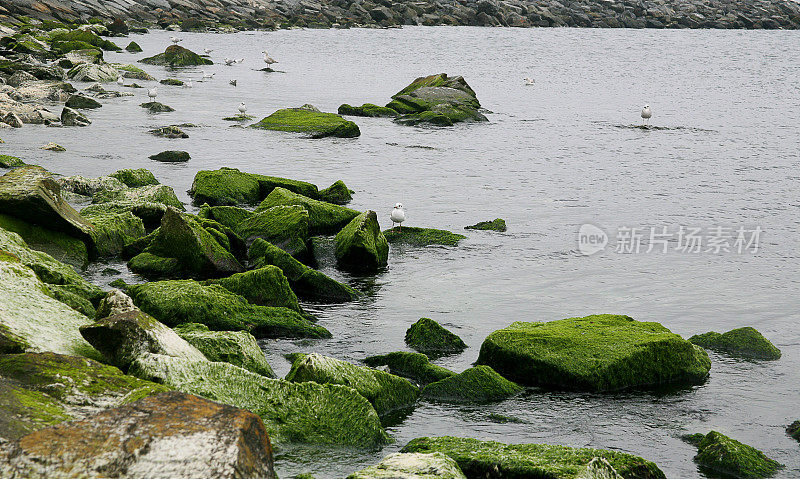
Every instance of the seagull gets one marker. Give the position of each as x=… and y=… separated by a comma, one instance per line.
x=646, y=114
x=175, y=40
x=207, y=51
x=229, y=62
x=187, y=84
x=529, y=81
x=152, y=93
x=120, y=81
x=209, y=76
x=241, y=60
x=268, y=59
x=242, y=108
x=398, y=215
x=232, y=82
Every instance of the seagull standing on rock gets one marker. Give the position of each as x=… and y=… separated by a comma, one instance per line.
x=208, y=76
x=152, y=93
x=398, y=215
x=242, y=109
x=120, y=81
x=175, y=40
x=646, y=114
x=529, y=81
x=207, y=51
x=268, y=59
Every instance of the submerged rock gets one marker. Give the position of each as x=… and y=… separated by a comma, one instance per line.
x=229, y=186
x=171, y=157
x=70, y=117
x=742, y=342
x=415, y=366
x=172, y=435
x=235, y=347
x=177, y=56
x=338, y=193
x=323, y=218
x=315, y=123
x=360, y=246
x=429, y=337
x=133, y=47
x=422, y=236
x=412, y=466
x=476, y=384
x=723, y=455
x=367, y=109
x=156, y=107
x=595, y=353
x=497, y=224
x=168, y=132
x=475, y=457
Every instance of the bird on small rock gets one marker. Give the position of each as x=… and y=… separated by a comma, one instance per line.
x=175, y=40
x=646, y=114
x=242, y=109
x=398, y=215
x=268, y=59
x=152, y=93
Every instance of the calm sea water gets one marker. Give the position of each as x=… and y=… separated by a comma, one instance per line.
x=554, y=156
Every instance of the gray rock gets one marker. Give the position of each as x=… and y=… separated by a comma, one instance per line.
x=70, y=117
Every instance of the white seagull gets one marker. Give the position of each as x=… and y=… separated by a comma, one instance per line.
x=208, y=76
x=152, y=93
x=207, y=51
x=242, y=108
x=268, y=59
x=120, y=81
x=187, y=84
x=241, y=60
x=229, y=62
x=398, y=215
x=175, y=40
x=646, y=114
x=529, y=81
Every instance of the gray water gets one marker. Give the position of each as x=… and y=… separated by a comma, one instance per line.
x=553, y=157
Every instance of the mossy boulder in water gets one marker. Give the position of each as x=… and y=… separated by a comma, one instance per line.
x=794, y=430
x=187, y=301
x=476, y=384
x=312, y=122
x=177, y=56
x=742, y=342
x=323, y=218
x=171, y=132
x=7, y=161
x=235, y=347
x=292, y=412
x=143, y=194
x=85, y=36
x=112, y=231
x=436, y=99
x=367, y=109
x=61, y=246
x=535, y=460
x=414, y=236
x=133, y=47
x=265, y=286
x=150, y=213
x=156, y=107
x=171, y=82
x=229, y=186
x=70, y=117
x=412, y=466
x=338, y=193
x=386, y=392
x=284, y=226
x=360, y=246
x=133, y=72
x=229, y=216
x=720, y=454
x=134, y=178
x=171, y=156
x=596, y=353
x=498, y=224
x=415, y=366
x=429, y=337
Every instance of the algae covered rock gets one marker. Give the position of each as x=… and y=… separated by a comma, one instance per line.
x=476, y=384
x=115, y=302
x=741, y=342
x=292, y=412
x=171, y=82
x=436, y=99
x=284, y=226
x=235, y=347
x=61, y=246
x=793, y=430
x=475, y=457
x=723, y=455
x=143, y=194
x=133, y=72
x=498, y=224
x=596, y=353
x=133, y=47
x=93, y=72
x=367, y=109
x=360, y=246
x=112, y=231
x=172, y=435
x=415, y=366
x=412, y=466
x=386, y=392
x=413, y=236
x=314, y=123
x=229, y=186
x=177, y=56
x=135, y=178
x=150, y=212
x=85, y=36
x=323, y=218
x=229, y=216
x=338, y=193
x=171, y=132
x=266, y=286
x=171, y=156
x=429, y=337
x=156, y=107
x=7, y=161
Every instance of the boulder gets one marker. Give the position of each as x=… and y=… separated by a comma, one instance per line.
x=415, y=366
x=135, y=178
x=112, y=231
x=61, y=246
x=429, y=337
x=422, y=236
x=235, y=347
x=156, y=107
x=143, y=194
x=133, y=72
x=596, y=353
x=70, y=117
x=412, y=466
x=229, y=186
x=284, y=226
x=177, y=56
x=741, y=342
x=7, y=161
x=360, y=246
x=172, y=435
x=171, y=132
x=386, y=392
x=171, y=157
x=292, y=412
x=53, y=147
x=150, y=213
x=793, y=430
x=722, y=455
x=84, y=36
x=314, y=123
x=84, y=102
x=93, y=72
x=475, y=457
x=338, y=193
x=13, y=120
x=476, y=384
x=323, y=218
x=187, y=301
x=436, y=99
x=265, y=286
x=229, y=216
x=171, y=82
x=83, y=186
x=114, y=303
x=367, y=109
x=498, y=224
x=133, y=47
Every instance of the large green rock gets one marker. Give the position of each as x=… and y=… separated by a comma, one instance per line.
x=187, y=301
x=306, y=282
x=229, y=186
x=367, y=109
x=477, y=458
x=596, y=353
x=135, y=178
x=415, y=366
x=235, y=347
x=429, y=337
x=292, y=412
x=338, y=193
x=266, y=286
x=143, y=194
x=229, y=216
x=436, y=99
x=720, y=454
x=412, y=466
x=42, y=389
x=387, y=392
x=312, y=122
x=177, y=56
x=476, y=384
x=59, y=245
x=323, y=218
x=150, y=213
x=741, y=342
x=284, y=226
x=360, y=246
x=414, y=236
x=112, y=231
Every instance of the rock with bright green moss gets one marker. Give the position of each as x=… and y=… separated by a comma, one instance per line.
x=314, y=123
x=306, y=282
x=744, y=342
x=415, y=366
x=436, y=99
x=171, y=82
x=187, y=301
x=720, y=454
x=386, y=392
x=265, y=286
x=112, y=231
x=82, y=102
x=498, y=224
x=7, y=161
x=475, y=457
x=150, y=213
x=235, y=347
x=476, y=384
x=143, y=194
x=177, y=56
x=429, y=337
x=43, y=389
x=59, y=245
x=85, y=36
x=284, y=226
x=230, y=187
x=323, y=218
x=412, y=466
x=596, y=353
x=292, y=412
x=360, y=246
x=229, y=216
x=367, y=109
x=414, y=236
x=338, y=193
x=135, y=178
x=133, y=47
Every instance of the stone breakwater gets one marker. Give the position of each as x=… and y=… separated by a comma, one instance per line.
x=243, y=14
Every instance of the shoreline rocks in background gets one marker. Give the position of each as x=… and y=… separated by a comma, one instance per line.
x=742, y=342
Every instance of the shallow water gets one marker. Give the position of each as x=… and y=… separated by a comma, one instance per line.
x=723, y=150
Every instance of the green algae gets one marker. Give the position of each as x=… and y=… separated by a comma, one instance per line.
x=113, y=231
x=360, y=246
x=741, y=342
x=422, y=236
x=368, y=110
x=415, y=366
x=315, y=123
x=429, y=337
x=85, y=37
x=144, y=194
x=338, y=193
x=135, y=178
x=286, y=227
x=230, y=187
x=476, y=384
x=229, y=216
x=498, y=224
x=177, y=56
x=7, y=161
x=723, y=455
x=235, y=347
x=323, y=218
x=265, y=286
x=61, y=246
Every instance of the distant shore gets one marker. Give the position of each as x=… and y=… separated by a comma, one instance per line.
x=190, y=15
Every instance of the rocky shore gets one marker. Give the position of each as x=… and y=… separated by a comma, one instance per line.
x=247, y=14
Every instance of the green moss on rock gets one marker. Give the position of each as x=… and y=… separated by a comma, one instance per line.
x=498, y=224
x=415, y=366
x=412, y=466
x=596, y=353
x=133, y=47
x=135, y=178
x=265, y=286
x=794, y=430
x=723, y=455
x=314, y=123
x=171, y=82
x=144, y=194
x=422, y=236
x=429, y=337
x=284, y=226
x=177, y=56
x=367, y=109
x=7, y=161
x=338, y=193
x=113, y=231
x=229, y=186
x=84, y=36
x=741, y=342
x=323, y=218
x=61, y=246
x=360, y=246
x=235, y=347
x=156, y=107
x=229, y=216
x=476, y=384
x=171, y=156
